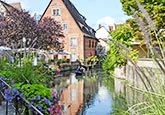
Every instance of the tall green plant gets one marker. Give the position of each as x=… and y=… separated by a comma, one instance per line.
x=26, y=73
x=151, y=87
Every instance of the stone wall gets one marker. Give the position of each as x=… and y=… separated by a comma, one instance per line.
x=153, y=79
x=147, y=73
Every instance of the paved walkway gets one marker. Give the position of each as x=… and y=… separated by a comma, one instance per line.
x=3, y=109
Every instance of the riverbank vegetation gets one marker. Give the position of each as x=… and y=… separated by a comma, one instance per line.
x=148, y=30
x=30, y=82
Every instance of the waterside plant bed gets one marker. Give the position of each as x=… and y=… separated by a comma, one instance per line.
x=34, y=99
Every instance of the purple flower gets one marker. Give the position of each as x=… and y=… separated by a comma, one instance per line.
x=48, y=109
x=32, y=103
x=40, y=108
x=34, y=98
x=46, y=100
x=18, y=98
x=2, y=78
x=38, y=97
x=20, y=95
x=29, y=106
x=17, y=92
x=6, y=91
x=2, y=84
x=12, y=91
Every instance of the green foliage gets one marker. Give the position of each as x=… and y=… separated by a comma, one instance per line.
x=136, y=33
x=133, y=55
x=122, y=35
x=108, y=81
x=4, y=66
x=61, y=61
x=155, y=8
x=31, y=90
x=119, y=105
x=27, y=73
x=92, y=59
x=113, y=59
x=37, y=94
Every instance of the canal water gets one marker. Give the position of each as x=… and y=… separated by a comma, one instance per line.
x=85, y=95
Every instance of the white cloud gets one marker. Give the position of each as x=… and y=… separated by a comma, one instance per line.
x=109, y=21
x=106, y=22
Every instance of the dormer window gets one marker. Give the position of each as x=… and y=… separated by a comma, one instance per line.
x=91, y=31
x=56, y=12
x=2, y=14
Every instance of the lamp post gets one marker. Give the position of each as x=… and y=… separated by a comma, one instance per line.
x=24, y=44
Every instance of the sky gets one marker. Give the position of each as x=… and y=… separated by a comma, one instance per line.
x=104, y=12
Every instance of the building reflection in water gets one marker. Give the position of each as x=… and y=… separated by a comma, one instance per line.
x=80, y=96
x=71, y=95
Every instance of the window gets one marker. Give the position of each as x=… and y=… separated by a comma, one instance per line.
x=73, y=42
x=89, y=43
x=92, y=44
x=95, y=44
x=73, y=57
x=65, y=26
x=56, y=12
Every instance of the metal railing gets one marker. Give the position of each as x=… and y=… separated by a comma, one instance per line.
x=20, y=105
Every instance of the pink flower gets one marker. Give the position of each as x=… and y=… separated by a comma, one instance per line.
x=52, y=110
x=57, y=110
x=53, y=92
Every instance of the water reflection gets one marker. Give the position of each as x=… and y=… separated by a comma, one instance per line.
x=84, y=95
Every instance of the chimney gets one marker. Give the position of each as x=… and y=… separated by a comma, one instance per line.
x=110, y=28
x=99, y=26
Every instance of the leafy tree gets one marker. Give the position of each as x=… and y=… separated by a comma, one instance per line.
x=136, y=33
x=121, y=37
x=50, y=33
x=17, y=24
x=155, y=8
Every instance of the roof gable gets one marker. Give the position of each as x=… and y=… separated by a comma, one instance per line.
x=16, y=5
x=80, y=19
x=7, y=6
x=102, y=32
